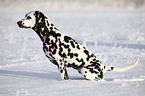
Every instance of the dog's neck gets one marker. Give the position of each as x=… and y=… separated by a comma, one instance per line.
x=44, y=29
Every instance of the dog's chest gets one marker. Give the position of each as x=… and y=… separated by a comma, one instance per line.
x=50, y=45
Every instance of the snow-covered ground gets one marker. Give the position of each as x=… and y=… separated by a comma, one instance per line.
x=116, y=36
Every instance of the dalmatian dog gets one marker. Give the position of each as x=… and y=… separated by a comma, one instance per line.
x=64, y=51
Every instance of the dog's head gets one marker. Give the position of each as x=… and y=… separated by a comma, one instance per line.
x=33, y=18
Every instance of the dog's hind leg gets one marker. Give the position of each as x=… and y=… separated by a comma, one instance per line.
x=91, y=74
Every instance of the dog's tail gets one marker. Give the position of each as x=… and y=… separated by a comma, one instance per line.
x=123, y=68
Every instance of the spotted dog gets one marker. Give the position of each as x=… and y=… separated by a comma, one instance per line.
x=64, y=51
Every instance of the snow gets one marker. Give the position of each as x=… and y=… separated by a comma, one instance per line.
x=115, y=36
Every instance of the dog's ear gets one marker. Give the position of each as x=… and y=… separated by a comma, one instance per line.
x=40, y=18
x=39, y=15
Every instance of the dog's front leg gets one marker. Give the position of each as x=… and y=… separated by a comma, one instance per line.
x=63, y=72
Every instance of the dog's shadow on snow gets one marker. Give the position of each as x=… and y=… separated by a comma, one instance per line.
x=48, y=75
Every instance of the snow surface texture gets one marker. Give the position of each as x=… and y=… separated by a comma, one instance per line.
x=117, y=37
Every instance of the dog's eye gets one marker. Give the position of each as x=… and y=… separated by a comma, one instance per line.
x=28, y=18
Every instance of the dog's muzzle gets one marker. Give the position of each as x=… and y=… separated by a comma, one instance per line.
x=21, y=24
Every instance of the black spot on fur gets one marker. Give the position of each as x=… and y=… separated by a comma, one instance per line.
x=73, y=65
x=65, y=61
x=54, y=51
x=63, y=55
x=69, y=50
x=81, y=60
x=104, y=67
x=60, y=49
x=93, y=66
x=64, y=77
x=58, y=34
x=101, y=75
x=86, y=52
x=79, y=71
x=89, y=56
x=67, y=39
x=47, y=23
x=76, y=54
x=61, y=71
x=96, y=78
x=60, y=60
x=45, y=48
x=71, y=55
x=78, y=46
x=72, y=44
x=94, y=59
x=66, y=46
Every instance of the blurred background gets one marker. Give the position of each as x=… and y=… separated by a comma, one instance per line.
x=73, y=3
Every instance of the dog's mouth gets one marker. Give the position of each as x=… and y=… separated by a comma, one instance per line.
x=21, y=25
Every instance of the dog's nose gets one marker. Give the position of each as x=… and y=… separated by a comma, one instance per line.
x=19, y=23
